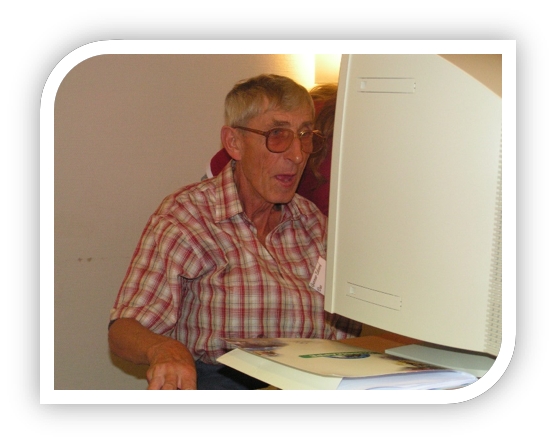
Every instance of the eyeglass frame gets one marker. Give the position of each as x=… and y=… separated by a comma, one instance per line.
x=295, y=135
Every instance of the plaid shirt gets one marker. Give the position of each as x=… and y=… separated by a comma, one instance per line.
x=200, y=274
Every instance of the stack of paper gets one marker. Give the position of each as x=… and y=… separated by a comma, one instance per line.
x=320, y=364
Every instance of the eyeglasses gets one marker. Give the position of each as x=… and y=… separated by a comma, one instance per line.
x=278, y=140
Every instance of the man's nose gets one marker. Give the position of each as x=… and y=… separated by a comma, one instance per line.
x=294, y=151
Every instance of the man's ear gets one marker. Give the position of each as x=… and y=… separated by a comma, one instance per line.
x=229, y=138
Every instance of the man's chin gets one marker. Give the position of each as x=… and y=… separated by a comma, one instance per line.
x=284, y=200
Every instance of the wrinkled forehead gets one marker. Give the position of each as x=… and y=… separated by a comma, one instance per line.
x=299, y=108
x=302, y=116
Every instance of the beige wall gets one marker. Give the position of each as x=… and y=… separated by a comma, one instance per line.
x=129, y=129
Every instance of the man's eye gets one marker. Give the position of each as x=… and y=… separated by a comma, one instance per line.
x=278, y=132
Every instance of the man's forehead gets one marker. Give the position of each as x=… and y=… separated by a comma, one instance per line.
x=282, y=116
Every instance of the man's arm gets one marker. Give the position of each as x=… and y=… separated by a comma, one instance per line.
x=171, y=366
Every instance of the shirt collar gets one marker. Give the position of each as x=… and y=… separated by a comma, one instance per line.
x=227, y=197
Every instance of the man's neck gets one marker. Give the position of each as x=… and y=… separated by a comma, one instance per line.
x=264, y=215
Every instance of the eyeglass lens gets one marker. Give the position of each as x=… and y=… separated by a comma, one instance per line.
x=280, y=139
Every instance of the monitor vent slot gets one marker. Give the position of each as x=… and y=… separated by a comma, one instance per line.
x=493, y=333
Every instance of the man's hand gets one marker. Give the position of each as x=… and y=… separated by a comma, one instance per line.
x=171, y=366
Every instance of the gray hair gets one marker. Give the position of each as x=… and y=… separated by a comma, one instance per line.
x=252, y=97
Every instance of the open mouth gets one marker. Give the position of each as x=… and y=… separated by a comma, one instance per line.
x=286, y=179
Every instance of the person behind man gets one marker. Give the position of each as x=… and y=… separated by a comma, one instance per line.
x=315, y=182
x=231, y=256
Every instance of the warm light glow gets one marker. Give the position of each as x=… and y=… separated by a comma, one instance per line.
x=304, y=69
x=327, y=68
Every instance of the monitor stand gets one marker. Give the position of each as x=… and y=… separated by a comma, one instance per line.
x=475, y=364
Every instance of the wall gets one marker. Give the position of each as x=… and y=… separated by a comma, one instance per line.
x=129, y=129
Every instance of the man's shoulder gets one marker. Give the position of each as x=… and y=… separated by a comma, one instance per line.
x=193, y=198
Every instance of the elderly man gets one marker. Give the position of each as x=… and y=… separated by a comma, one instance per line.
x=231, y=256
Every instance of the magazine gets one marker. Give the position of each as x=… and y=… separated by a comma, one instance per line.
x=321, y=364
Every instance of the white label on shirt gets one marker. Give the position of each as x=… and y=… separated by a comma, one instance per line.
x=319, y=276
